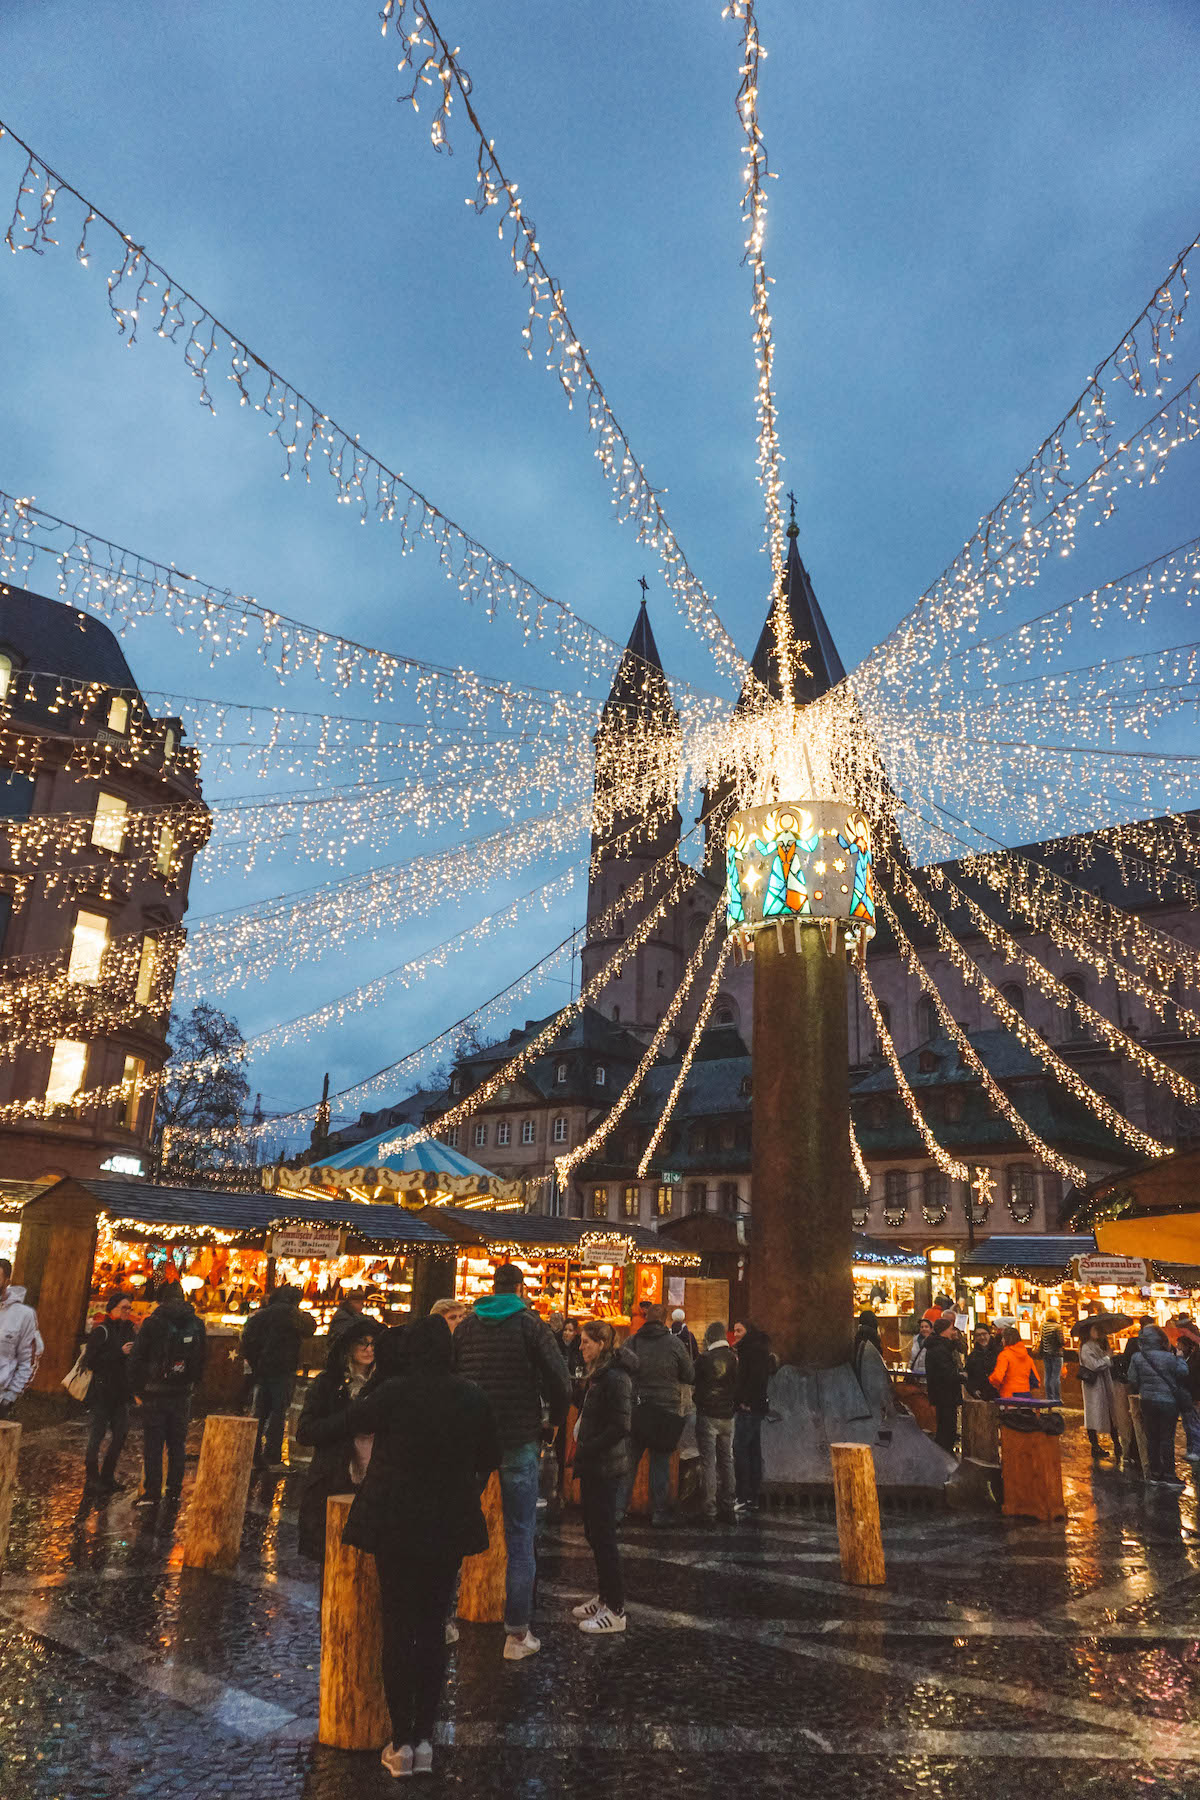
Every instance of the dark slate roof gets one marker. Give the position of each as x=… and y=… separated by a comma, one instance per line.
x=587, y=1031
x=713, y=1086
x=533, y=1228
x=1052, y=1253
x=153, y=1205
x=1001, y=1054
x=410, y=1111
x=639, y=688
x=51, y=636
x=809, y=626
x=383, y=1220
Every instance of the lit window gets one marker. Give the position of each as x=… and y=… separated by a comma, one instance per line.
x=601, y=1074
x=108, y=827
x=166, y=850
x=66, y=1072
x=560, y=1131
x=132, y=1076
x=480, y=1136
x=118, y=713
x=631, y=1202
x=560, y=1074
x=527, y=1131
x=600, y=1203
x=503, y=1132
x=170, y=744
x=6, y=669
x=147, y=969
x=89, y=940
x=664, y=1202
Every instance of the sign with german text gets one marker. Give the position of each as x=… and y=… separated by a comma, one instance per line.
x=1114, y=1271
x=303, y=1243
x=605, y=1255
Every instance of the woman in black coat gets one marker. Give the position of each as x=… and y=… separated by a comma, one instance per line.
x=602, y=1462
x=418, y=1513
x=336, y=1468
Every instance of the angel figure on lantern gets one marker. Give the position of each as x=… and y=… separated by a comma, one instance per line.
x=857, y=836
x=735, y=849
x=787, y=886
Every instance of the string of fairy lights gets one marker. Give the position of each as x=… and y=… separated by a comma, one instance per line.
x=1073, y=750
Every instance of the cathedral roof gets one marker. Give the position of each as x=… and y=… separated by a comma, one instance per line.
x=808, y=627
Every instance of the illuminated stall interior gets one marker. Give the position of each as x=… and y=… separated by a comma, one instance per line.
x=1019, y=1279
x=886, y=1282
x=333, y=1247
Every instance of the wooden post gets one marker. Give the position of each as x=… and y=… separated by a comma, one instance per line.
x=481, y=1589
x=10, y=1443
x=1139, y=1432
x=353, y=1710
x=1031, y=1462
x=981, y=1430
x=856, y=1498
x=217, y=1509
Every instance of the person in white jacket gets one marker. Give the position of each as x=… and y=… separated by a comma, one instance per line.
x=20, y=1341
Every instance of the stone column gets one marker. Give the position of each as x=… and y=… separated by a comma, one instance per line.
x=801, y=1238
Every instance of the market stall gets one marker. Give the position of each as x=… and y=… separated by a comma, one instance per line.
x=333, y=1247
x=570, y=1265
x=888, y=1281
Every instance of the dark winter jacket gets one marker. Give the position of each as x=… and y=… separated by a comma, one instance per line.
x=606, y=1421
x=687, y=1339
x=106, y=1358
x=663, y=1366
x=329, y=1470
x=754, y=1371
x=1157, y=1374
x=980, y=1364
x=513, y=1357
x=717, y=1382
x=435, y=1446
x=273, y=1335
x=942, y=1381
x=169, y=1350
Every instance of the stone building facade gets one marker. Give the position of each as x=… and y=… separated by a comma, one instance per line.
x=101, y=815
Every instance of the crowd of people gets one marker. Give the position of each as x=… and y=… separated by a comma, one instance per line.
x=1161, y=1366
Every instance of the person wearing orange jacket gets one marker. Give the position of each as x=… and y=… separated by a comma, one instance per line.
x=1014, y=1372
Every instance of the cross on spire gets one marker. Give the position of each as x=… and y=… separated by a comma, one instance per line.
x=645, y=587
x=792, y=502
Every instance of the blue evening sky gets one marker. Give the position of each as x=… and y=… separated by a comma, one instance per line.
x=973, y=203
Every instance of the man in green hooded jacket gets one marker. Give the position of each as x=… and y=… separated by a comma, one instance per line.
x=512, y=1355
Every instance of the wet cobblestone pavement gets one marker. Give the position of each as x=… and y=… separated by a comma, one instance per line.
x=1002, y=1658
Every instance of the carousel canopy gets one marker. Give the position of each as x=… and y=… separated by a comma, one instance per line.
x=428, y=1168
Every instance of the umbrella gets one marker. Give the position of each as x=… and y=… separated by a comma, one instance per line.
x=1106, y=1321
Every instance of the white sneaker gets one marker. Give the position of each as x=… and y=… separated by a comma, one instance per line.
x=398, y=1762
x=451, y=1632
x=605, y=1620
x=517, y=1648
x=587, y=1608
x=423, y=1758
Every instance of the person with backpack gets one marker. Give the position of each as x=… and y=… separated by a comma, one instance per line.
x=664, y=1370
x=106, y=1354
x=1050, y=1346
x=511, y=1354
x=166, y=1362
x=271, y=1344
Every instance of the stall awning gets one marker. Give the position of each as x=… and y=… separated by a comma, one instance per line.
x=877, y=1252
x=1035, y=1256
x=1164, y=1238
x=430, y=1171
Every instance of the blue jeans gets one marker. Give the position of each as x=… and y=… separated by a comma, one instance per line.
x=1052, y=1371
x=747, y=1456
x=660, y=1482
x=272, y=1397
x=1191, y=1430
x=520, y=1468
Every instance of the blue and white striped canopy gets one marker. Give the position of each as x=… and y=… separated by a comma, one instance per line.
x=430, y=1155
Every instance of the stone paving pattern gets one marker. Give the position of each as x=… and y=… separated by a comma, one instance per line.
x=1002, y=1658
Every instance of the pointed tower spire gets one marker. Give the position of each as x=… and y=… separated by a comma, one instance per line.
x=639, y=692
x=808, y=628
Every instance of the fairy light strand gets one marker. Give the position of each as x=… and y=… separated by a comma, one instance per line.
x=957, y=1171
x=688, y=1057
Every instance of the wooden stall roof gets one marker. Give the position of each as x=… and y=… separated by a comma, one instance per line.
x=379, y=1223
x=165, y=1212
x=537, y=1234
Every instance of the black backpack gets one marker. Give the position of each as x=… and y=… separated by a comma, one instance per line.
x=181, y=1359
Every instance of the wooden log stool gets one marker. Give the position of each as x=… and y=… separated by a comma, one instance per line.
x=981, y=1430
x=1031, y=1462
x=1139, y=1433
x=856, y=1498
x=353, y=1710
x=217, y=1509
x=484, y=1577
x=10, y=1444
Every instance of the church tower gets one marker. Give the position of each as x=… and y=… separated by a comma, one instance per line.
x=636, y=825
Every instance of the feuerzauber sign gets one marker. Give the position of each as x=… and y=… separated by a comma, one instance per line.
x=604, y=1255
x=307, y=1245
x=1115, y=1271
